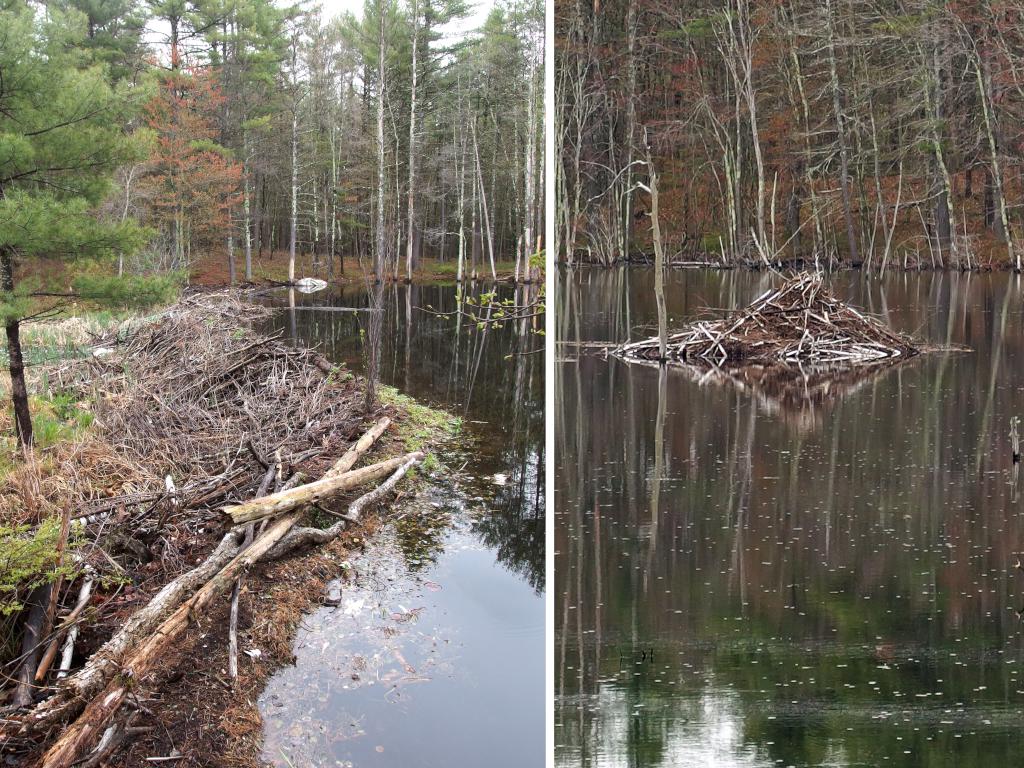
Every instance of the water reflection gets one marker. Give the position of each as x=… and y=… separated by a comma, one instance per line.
x=434, y=655
x=491, y=376
x=739, y=587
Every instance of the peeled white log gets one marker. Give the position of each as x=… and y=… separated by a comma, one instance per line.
x=330, y=485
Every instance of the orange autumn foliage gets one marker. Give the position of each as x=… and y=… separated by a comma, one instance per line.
x=192, y=183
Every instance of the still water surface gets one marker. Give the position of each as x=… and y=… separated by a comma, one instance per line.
x=435, y=656
x=750, y=577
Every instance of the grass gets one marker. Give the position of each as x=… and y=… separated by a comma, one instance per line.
x=421, y=426
x=66, y=337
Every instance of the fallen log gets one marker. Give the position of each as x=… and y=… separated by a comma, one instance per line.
x=351, y=456
x=80, y=735
x=303, y=537
x=103, y=665
x=330, y=485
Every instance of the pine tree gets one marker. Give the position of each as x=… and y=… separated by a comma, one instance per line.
x=60, y=139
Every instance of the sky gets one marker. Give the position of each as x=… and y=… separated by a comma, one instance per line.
x=477, y=16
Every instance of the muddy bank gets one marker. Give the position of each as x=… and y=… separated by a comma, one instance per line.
x=192, y=411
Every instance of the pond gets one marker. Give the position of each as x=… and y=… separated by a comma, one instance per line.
x=435, y=655
x=750, y=577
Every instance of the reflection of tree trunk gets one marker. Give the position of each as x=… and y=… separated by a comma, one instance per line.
x=981, y=451
x=292, y=326
x=745, y=467
x=374, y=327
x=408, y=335
x=659, y=470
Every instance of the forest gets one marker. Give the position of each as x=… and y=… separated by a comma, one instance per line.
x=842, y=132
x=243, y=130
x=270, y=285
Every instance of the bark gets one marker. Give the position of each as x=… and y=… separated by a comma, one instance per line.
x=298, y=538
x=330, y=485
x=16, y=363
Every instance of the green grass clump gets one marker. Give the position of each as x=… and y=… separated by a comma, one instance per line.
x=420, y=425
x=57, y=417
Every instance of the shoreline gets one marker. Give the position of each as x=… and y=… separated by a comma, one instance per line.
x=274, y=597
x=793, y=265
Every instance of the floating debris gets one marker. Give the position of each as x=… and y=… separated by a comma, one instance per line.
x=310, y=284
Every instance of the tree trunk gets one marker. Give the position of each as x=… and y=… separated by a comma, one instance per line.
x=844, y=160
x=16, y=364
x=378, y=256
x=294, y=219
x=659, y=256
x=412, y=146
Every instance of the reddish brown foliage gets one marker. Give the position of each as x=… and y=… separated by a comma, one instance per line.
x=192, y=183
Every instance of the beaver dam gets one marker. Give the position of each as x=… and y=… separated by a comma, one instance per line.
x=211, y=445
x=799, y=323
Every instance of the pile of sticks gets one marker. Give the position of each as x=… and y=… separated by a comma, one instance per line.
x=797, y=323
x=242, y=420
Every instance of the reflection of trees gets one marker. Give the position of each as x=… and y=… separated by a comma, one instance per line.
x=486, y=375
x=789, y=565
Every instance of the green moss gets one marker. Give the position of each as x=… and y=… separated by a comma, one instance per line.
x=28, y=559
x=420, y=426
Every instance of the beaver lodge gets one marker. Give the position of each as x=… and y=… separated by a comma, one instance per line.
x=800, y=323
x=212, y=443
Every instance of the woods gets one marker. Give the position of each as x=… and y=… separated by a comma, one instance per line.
x=822, y=134
x=177, y=454
x=247, y=130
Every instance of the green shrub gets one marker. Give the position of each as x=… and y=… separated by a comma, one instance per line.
x=28, y=559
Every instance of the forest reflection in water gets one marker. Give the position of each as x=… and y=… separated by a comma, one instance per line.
x=434, y=655
x=746, y=581
x=492, y=377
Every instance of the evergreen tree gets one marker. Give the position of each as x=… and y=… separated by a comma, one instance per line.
x=60, y=140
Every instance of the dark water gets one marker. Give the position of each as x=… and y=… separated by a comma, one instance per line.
x=435, y=656
x=746, y=578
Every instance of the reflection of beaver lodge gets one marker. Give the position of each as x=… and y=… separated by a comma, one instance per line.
x=800, y=323
x=795, y=348
x=798, y=395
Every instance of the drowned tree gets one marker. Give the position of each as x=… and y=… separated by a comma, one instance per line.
x=61, y=137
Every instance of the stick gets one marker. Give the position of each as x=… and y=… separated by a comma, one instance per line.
x=80, y=735
x=1014, y=440
x=71, y=621
x=268, y=478
x=330, y=485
